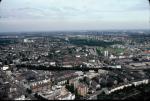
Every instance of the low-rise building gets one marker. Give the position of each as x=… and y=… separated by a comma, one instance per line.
x=57, y=94
x=40, y=85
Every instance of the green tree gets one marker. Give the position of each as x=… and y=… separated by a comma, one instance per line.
x=70, y=88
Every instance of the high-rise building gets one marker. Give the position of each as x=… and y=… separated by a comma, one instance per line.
x=106, y=53
x=82, y=89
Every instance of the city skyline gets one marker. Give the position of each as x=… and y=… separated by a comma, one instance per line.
x=52, y=15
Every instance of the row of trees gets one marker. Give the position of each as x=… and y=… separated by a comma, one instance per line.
x=93, y=42
x=73, y=91
x=4, y=42
x=55, y=68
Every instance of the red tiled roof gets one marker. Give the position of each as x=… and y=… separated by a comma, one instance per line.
x=147, y=51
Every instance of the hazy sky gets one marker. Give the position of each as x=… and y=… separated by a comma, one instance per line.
x=45, y=15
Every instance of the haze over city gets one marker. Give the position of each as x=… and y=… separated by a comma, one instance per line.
x=74, y=50
x=49, y=15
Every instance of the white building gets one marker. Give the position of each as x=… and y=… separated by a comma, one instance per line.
x=117, y=66
x=101, y=71
x=112, y=57
x=68, y=96
x=68, y=66
x=22, y=98
x=53, y=63
x=146, y=81
x=122, y=57
x=106, y=53
x=28, y=41
x=5, y=67
x=80, y=73
x=91, y=75
x=78, y=56
x=60, y=93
